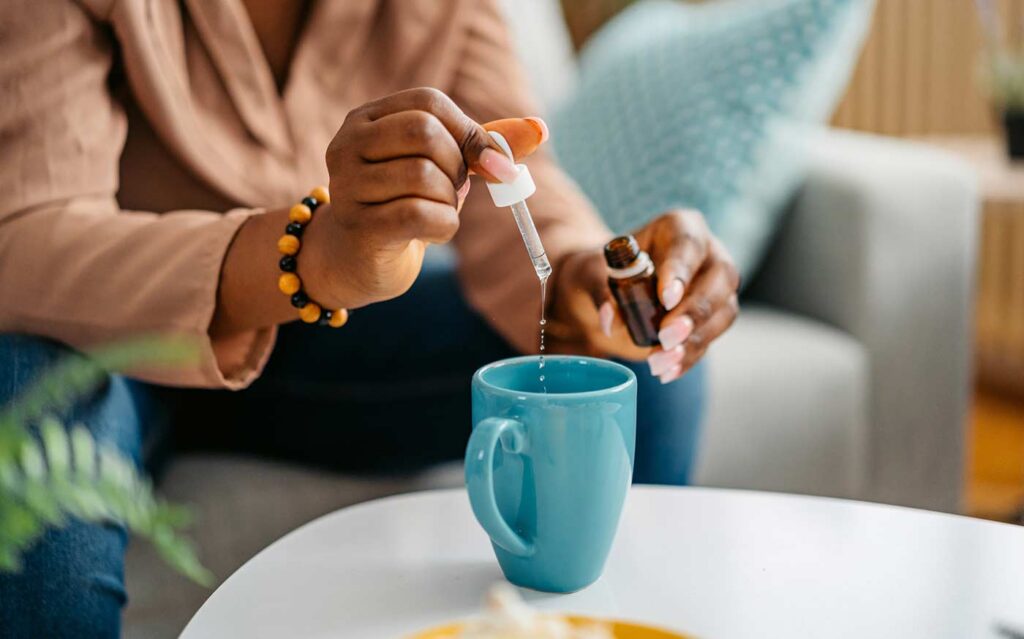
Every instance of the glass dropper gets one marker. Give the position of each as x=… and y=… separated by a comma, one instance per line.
x=533, y=246
x=513, y=195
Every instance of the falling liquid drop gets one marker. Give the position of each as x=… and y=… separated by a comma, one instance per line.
x=543, y=322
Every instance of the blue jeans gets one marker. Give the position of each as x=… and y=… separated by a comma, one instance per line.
x=389, y=392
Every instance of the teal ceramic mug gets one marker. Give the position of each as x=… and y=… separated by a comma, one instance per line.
x=549, y=463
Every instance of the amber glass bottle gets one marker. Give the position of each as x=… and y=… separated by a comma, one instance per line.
x=635, y=287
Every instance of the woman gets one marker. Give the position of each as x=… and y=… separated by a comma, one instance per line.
x=152, y=152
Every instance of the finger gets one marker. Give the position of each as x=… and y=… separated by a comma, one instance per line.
x=680, y=247
x=592, y=277
x=461, y=195
x=696, y=347
x=413, y=218
x=413, y=134
x=663, y=361
x=471, y=138
x=710, y=290
x=405, y=177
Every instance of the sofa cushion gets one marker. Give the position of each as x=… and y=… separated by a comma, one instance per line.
x=787, y=408
x=705, y=106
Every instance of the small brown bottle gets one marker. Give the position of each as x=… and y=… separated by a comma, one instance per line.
x=635, y=287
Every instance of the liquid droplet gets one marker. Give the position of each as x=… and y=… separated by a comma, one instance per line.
x=543, y=322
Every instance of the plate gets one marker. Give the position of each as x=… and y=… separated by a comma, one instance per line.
x=620, y=629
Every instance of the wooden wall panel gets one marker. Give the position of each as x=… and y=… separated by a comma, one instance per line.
x=918, y=72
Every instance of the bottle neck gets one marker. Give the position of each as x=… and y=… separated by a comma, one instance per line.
x=638, y=266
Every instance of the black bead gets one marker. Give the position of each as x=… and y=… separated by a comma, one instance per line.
x=311, y=202
x=294, y=228
x=300, y=299
x=325, y=318
x=288, y=264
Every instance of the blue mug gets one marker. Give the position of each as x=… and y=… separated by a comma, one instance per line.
x=549, y=464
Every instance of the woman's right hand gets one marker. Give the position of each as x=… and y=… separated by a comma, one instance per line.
x=398, y=177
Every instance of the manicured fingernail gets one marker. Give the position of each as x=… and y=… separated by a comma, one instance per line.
x=463, y=192
x=672, y=375
x=605, y=316
x=542, y=126
x=663, y=361
x=498, y=165
x=673, y=294
x=676, y=331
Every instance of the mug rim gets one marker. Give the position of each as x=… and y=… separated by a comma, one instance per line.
x=478, y=377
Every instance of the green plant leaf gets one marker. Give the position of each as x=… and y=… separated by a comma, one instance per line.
x=57, y=473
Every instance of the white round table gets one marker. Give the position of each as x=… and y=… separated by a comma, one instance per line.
x=712, y=563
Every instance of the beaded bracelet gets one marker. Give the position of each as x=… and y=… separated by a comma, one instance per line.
x=289, y=246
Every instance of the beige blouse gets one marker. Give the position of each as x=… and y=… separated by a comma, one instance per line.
x=137, y=135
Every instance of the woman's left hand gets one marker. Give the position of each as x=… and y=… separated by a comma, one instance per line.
x=697, y=283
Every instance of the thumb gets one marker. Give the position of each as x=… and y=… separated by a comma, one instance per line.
x=588, y=273
x=485, y=157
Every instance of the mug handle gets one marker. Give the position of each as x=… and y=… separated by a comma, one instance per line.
x=480, y=479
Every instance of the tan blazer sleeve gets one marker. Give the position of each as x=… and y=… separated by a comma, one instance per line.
x=73, y=266
x=494, y=268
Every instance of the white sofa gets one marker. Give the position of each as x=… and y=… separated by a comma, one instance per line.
x=847, y=373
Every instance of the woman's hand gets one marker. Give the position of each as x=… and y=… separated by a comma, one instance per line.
x=697, y=283
x=399, y=174
x=398, y=169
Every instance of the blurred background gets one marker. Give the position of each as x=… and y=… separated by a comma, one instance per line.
x=922, y=75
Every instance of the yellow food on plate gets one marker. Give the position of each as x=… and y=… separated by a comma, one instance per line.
x=508, y=617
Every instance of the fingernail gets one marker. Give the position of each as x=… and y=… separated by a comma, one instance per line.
x=663, y=361
x=498, y=165
x=542, y=126
x=605, y=316
x=672, y=375
x=673, y=294
x=463, y=192
x=677, y=331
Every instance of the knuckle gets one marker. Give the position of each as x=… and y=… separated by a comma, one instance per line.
x=421, y=127
x=430, y=99
x=335, y=149
x=695, y=345
x=732, y=274
x=675, y=215
x=353, y=115
x=411, y=211
x=733, y=306
x=700, y=310
x=419, y=171
x=449, y=225
x=474, y=136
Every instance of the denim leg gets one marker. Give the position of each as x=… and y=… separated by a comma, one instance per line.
x=389, y=392
x=668, y=424
x=72, y=580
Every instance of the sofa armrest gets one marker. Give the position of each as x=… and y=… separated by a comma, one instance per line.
x=881, y=243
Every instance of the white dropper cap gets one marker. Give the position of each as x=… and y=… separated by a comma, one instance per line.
x=508, y=193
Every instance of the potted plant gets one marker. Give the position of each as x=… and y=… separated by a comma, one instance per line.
x=50, y=472
x=1003, y=77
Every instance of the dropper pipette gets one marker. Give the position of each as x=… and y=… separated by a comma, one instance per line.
x=513, y=195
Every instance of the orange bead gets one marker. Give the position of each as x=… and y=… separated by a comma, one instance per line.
x=289, y=283
x=321, y=194
x=310, y=313
x=300, y=213
x=288, y=244
x=338, y=318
